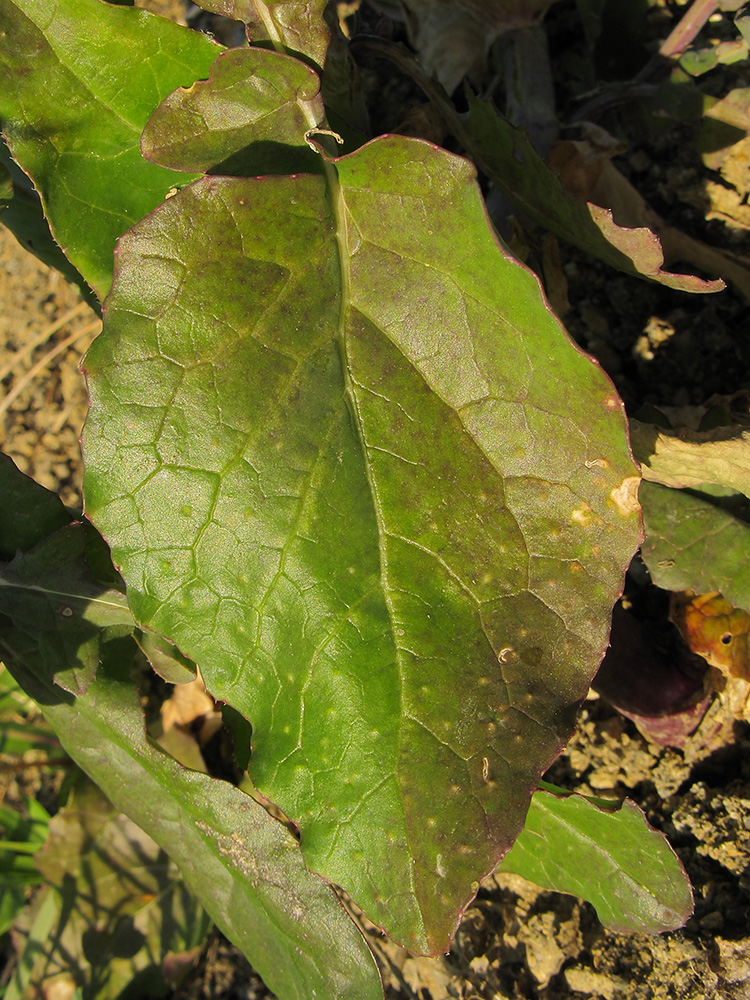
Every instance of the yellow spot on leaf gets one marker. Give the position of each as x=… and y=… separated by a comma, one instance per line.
x=582, y=515
x=625, y=496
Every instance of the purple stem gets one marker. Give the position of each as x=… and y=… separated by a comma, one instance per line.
x=678, y=39
x=671, y=48
x=687, y=28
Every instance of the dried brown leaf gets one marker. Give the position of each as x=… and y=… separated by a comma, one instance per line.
x=715, y=630
x=688, y=459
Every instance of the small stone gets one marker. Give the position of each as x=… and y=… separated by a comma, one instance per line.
x=734, y=960
x=432, y=974
x=593, y=984
x=480, y=966
x=544, y=956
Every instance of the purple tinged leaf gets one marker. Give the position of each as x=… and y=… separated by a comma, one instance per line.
x=249, y=118
x=506, y=155
x=351, y=464
x=643, y=681
x=295, y=25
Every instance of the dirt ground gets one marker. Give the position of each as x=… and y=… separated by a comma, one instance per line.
x=516, y=942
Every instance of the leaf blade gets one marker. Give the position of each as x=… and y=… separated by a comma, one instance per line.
x=614, y=859
x=692, y=544
x=292, y=512
x=84, y=76
x=244, y=866
x=250, y=117
x=295, y=25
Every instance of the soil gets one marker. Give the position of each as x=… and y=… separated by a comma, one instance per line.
x=516, y=941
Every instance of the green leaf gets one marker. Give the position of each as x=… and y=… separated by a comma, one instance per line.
x=509, y=159
x=293, y=25
x=696, y=62
x=21, y=212
x=50, y=594
x=26, y=827
x=78, y=81
x=166, y=659
x=248, y=118
x=30, y=512
x=124, y=904
x=352, y=465
x=612, y=858
x=688, y=458
x=692, y=543
x=243, y=866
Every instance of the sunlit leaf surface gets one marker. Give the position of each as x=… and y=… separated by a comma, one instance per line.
x=352, y=465
x=78, y=81
x=609, y=856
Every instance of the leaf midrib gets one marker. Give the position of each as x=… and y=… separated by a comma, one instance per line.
x=338, y=203
x=65, y=594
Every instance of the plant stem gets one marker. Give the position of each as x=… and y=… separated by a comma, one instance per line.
x=687, y=28
x=642, y=84
x=677, y=40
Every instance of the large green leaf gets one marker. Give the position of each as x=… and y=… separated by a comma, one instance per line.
x=244, y=866
x=78, y=81
x=694, y=543
x=607, y=853
x=351, y=464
